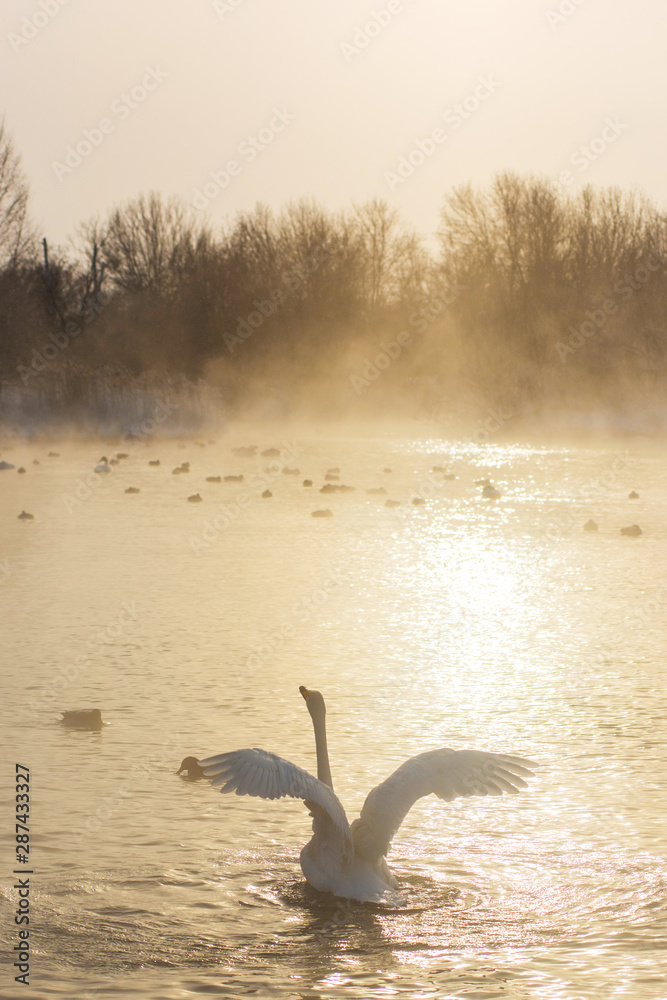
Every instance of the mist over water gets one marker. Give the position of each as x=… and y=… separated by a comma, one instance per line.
x=533, y=305
x=462, y=621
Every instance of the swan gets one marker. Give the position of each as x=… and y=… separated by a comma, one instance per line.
x=103, y=466
x=346, y=860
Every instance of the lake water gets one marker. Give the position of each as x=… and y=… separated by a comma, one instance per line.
x=462, y=622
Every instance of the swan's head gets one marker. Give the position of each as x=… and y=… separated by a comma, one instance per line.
x=314, y=701
x=192, y=767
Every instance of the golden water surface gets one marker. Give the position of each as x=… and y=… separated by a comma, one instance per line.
x=461, y=622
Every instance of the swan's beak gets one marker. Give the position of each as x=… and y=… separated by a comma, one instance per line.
x=304, y=691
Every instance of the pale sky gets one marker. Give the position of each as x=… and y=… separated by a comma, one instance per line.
x=328, y=109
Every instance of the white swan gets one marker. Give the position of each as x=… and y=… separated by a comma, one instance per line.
x=103, y=466
x=349, y=860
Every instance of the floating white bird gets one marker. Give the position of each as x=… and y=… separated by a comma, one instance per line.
x=346, y=860
x=103, y=466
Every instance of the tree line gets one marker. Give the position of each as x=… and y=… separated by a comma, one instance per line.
x=531, y=298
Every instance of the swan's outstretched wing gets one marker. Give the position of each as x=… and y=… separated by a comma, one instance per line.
x=445, y=773
x=257, y=772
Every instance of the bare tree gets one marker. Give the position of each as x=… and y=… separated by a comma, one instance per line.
x=466, y=230
x=148, y=242
x=394, y=262
x=16, y=235
x=89, y=241
x=253, y=244
x=73, y=292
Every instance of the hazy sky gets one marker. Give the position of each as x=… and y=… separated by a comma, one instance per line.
x=324, y=97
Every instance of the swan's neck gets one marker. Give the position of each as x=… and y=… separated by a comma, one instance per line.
x=323, y=769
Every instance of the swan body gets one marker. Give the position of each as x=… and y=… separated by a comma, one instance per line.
x=349, y=860
x=103, y=466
